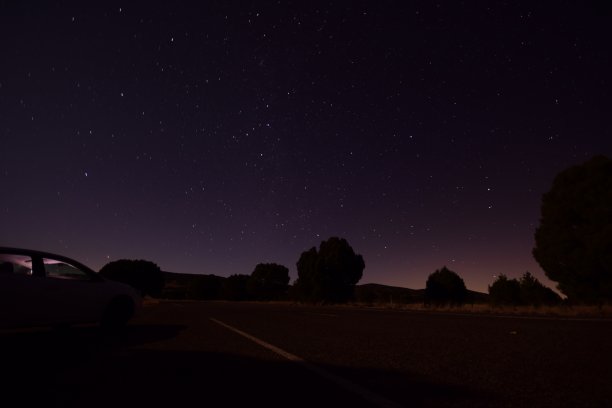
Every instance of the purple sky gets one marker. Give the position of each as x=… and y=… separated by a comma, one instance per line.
x=211, y=139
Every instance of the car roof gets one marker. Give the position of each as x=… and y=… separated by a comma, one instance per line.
x=43, y=254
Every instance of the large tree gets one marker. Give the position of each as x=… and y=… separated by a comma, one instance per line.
x=445, y=287
x=142, y=275
x=573, y=243
x=329, y=274
x=269, y=281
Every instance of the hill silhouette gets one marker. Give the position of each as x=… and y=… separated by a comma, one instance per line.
x=377, y=293
x=209, y=287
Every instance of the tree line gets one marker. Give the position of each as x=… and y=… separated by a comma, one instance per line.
x=573, y=247
x=326, y=275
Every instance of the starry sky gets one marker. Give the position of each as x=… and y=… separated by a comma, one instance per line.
x=211, y=138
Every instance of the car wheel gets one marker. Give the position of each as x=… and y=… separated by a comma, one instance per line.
x=117, y=314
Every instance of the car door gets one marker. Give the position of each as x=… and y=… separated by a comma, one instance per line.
x=71, y=294
x=20, y=291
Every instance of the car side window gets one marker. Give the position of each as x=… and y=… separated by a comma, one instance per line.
x=61, y=270
x=11, y=264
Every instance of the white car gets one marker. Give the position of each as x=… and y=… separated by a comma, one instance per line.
x=43, y=289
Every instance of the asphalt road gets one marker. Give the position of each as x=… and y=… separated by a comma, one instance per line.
x=217, y=354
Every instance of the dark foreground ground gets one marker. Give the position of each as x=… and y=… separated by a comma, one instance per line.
x=174, y=355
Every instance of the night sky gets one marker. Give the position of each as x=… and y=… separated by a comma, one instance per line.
x=209, y=139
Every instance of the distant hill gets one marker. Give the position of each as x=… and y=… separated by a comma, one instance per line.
x=209, y=287
x=192, y=286
x=179, y=278
x=376, y=293
x=477, y=297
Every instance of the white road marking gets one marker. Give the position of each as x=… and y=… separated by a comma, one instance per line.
x=347, y=385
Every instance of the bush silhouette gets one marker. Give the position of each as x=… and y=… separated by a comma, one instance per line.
x=526, y=291
x=145, y=276
x=445, y=287
x=574, y=239
x=330, y=274
x=269, y=281
x=504, y=291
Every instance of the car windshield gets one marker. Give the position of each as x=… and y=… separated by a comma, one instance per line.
x=62, y=270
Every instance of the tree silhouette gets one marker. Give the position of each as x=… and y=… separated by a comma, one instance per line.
x=306, y=287
x=268, y=281
x=142, y=275
x=445, y=287
x=504, y=291
x=330, y=274
x=574, y=239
